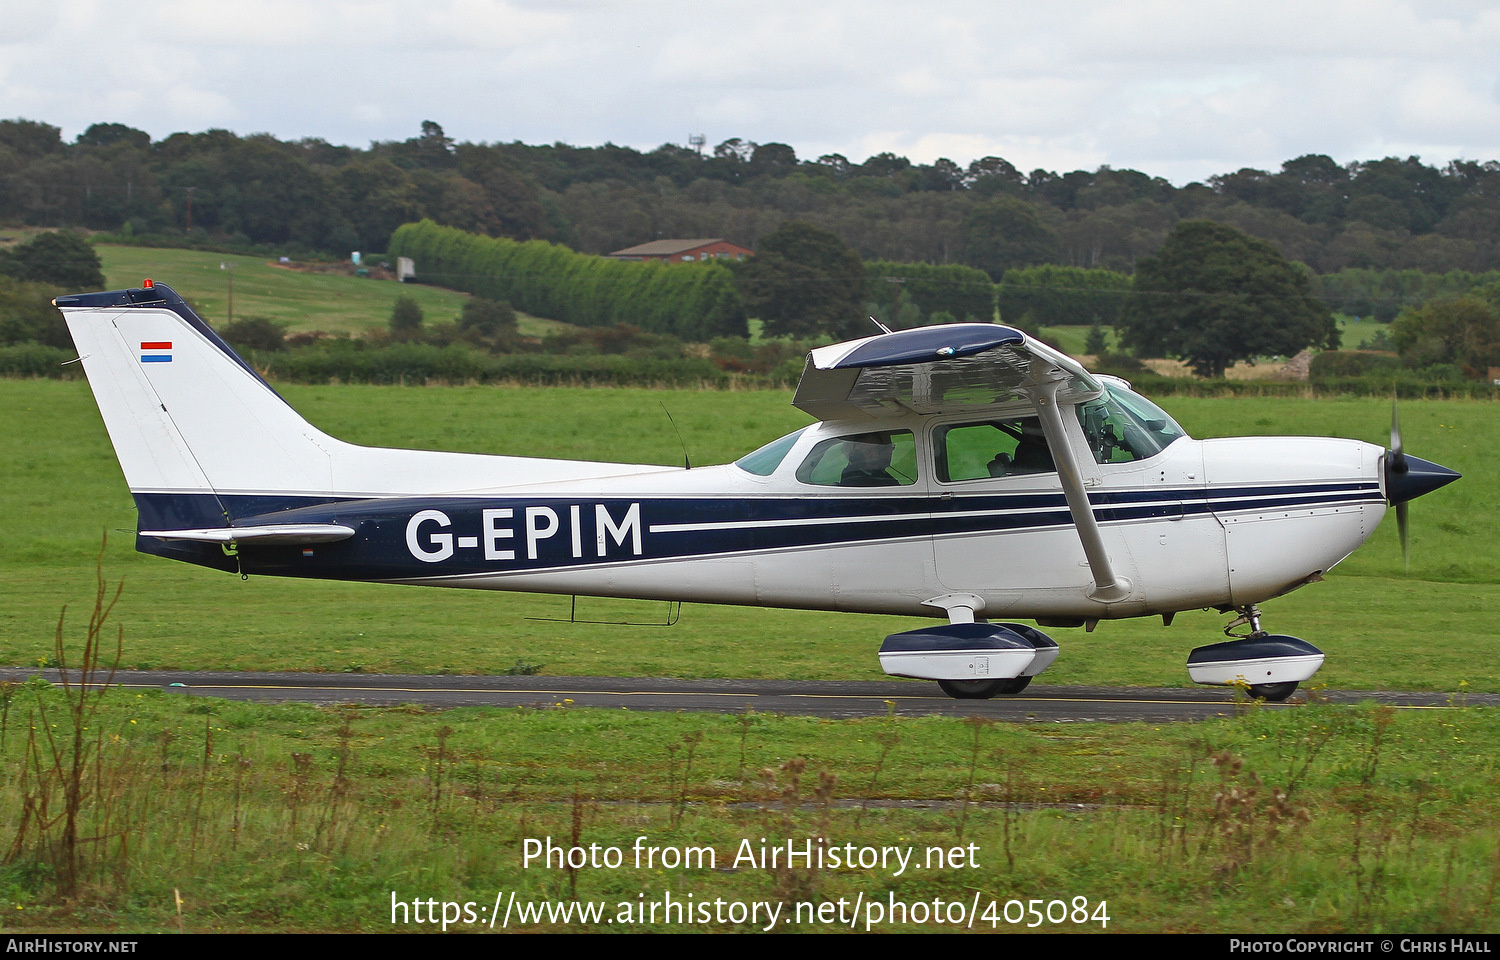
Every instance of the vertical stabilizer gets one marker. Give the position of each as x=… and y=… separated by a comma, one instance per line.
x=186, y=415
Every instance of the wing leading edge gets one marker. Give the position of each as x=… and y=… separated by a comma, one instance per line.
x=947, y=368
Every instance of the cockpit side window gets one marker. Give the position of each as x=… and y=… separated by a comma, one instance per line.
x=995, y=448
x=884, y=459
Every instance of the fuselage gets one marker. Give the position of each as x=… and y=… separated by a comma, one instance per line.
x=1199, y=523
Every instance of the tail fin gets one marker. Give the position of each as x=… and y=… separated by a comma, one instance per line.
x=188, y=416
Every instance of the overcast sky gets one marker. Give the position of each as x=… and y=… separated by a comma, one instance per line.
x=1175, y=88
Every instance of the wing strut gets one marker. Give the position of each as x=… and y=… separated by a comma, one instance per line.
x=1108, y=587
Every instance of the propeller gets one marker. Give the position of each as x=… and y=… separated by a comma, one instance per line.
x=1395, y=465
x=1407, y=478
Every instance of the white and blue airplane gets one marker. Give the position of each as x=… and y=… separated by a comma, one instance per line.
x=965, y=472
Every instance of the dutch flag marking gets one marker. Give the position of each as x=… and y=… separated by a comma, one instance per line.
x=156, y=351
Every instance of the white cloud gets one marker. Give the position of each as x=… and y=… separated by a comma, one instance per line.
x=1181, y=88
x=1439, y=102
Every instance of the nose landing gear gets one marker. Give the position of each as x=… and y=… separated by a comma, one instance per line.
x=1271, y=665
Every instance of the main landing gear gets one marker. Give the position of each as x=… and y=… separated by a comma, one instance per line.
x=970, y=661
x=1270, y=665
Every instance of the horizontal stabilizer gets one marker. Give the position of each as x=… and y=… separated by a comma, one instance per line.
x=270, y=534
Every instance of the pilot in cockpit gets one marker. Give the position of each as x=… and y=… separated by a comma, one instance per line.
x=869, y=465
x=1030, y=455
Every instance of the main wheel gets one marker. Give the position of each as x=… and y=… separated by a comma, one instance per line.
x=982, y=689
x=1014, y=686
x=1274, y=692
x=972, y=689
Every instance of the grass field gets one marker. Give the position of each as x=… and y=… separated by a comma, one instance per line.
x=206, y=816
x=301, y=301
x=1355, y=333
x=1430, y=629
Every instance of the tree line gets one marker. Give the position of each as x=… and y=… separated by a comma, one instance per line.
x=1384, y=214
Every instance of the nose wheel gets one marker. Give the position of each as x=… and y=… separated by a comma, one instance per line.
x=1273, y=692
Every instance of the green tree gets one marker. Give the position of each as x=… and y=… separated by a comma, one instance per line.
x=1005, y=233
x=510, y=206
x=1096, y=343
x=109, y=134
x=1214, y=295
x=406, y=319
x=29, y=138
x=272, y=196
x=1463, y=331
x=62, y=260
x=487, y=318
x=381, y=197
x=28, y=316
x=804, y=282
x=255, y=333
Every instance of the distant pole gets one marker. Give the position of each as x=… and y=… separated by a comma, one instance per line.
x=896, y=300
x=229, y=266
x=190, y=208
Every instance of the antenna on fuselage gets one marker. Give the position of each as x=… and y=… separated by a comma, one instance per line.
x=883, y=327
x=686, y=465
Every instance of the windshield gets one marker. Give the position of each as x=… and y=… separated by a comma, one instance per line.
x=763, y=462
x=1122, y=425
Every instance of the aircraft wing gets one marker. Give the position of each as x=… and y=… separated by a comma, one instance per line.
x=947, y=368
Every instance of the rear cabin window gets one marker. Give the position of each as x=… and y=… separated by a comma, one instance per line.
x=995, y=448
x=884, y=459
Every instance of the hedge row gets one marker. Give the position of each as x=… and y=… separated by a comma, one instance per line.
x=1351, y=363
x=1050, y=296
x=460, y=363
x=1383, y=294
x=692, y=301
x=963, y=292
x=457, y=363
x=423, y=363
x=1405, y=385
x=38, y=360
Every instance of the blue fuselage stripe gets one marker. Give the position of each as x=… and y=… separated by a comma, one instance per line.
x=472, y=535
